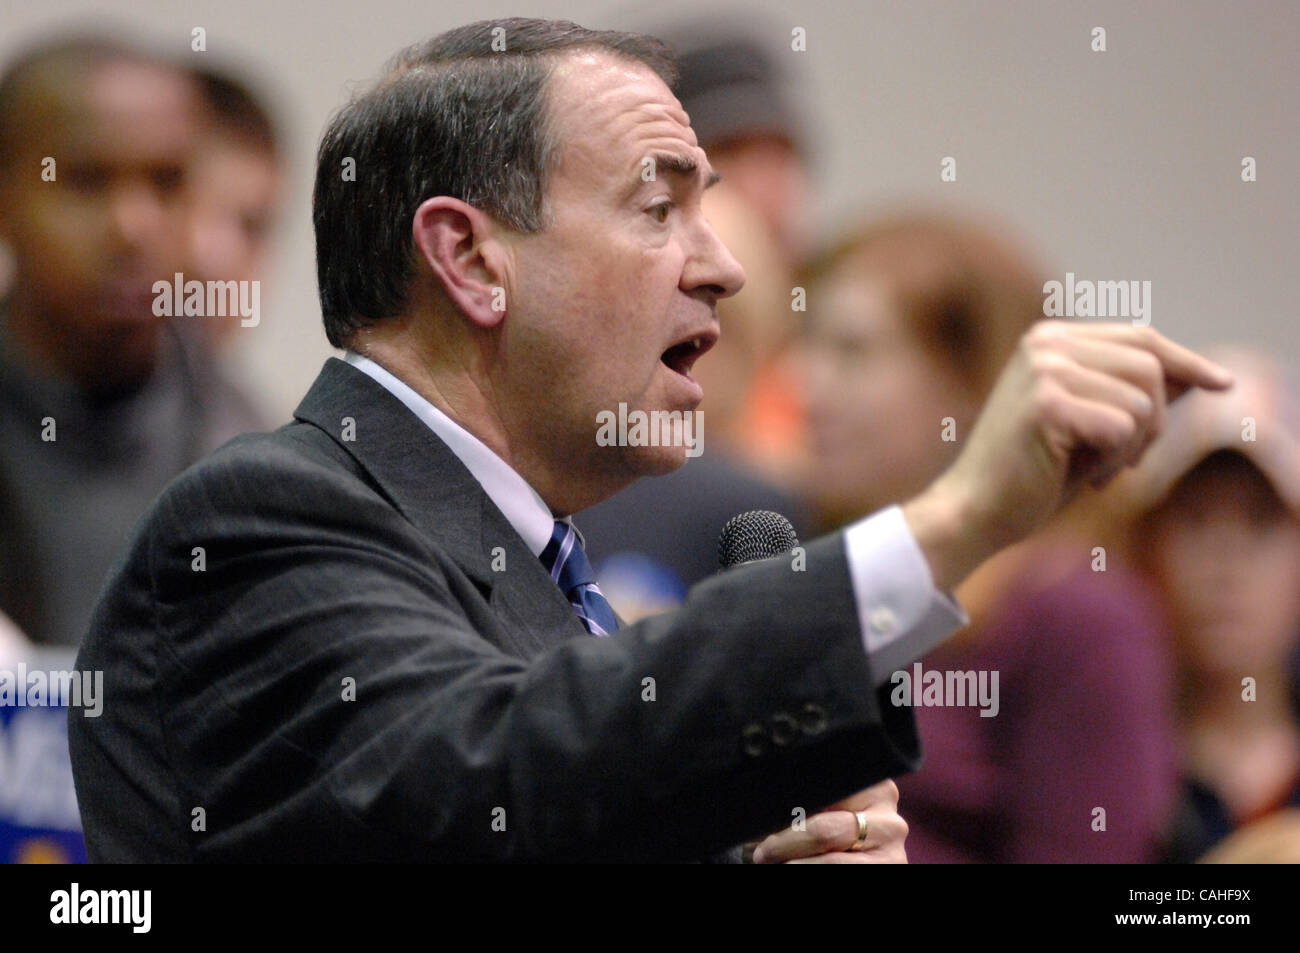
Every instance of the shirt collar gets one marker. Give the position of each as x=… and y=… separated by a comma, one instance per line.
x=518, y=502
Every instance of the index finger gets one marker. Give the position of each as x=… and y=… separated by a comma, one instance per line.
x=1183, y=367
x=822, y=833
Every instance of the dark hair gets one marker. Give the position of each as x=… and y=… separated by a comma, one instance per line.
x=65, y=54
x=238, y=110
x=452, y=116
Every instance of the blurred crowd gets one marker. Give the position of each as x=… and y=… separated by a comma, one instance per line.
x=1147, y=644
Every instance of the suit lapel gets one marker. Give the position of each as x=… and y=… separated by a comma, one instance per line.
x=440, y=497
x=537, y=614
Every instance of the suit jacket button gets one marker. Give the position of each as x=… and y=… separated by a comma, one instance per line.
x=754, y=740
x=812, y=719
x=784, y=729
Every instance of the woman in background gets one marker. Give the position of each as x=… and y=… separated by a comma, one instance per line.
x=910, y=321
x=1214, y=518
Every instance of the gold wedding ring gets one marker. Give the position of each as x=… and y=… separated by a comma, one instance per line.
x=861, y=842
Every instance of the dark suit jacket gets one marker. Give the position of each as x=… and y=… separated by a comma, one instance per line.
x=483, y=722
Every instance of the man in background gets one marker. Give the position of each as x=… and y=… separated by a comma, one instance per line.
x=102, y=401
x=237, y=192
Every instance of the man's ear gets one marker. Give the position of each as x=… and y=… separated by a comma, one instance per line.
x=456, y=242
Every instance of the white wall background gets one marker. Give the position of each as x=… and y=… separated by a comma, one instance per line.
x=1124, y=164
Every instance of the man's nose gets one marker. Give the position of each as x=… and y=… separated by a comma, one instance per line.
x=713, y=267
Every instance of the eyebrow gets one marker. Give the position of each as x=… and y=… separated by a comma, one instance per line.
x=682, y=165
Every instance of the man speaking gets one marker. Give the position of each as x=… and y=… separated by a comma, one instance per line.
x=373, y=634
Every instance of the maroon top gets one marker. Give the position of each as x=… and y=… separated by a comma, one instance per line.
x=1084, y=721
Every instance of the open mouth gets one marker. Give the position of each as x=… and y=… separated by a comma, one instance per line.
x=681, y=357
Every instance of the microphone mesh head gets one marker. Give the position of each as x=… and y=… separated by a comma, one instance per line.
x=757, y=534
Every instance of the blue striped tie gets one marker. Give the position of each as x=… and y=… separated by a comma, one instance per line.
x=569, y=567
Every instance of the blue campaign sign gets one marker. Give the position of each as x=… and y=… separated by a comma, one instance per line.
x=39, y=822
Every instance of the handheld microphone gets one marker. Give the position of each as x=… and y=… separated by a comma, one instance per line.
x=755, y=535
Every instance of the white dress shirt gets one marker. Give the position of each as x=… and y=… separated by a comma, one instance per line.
x=902, y=615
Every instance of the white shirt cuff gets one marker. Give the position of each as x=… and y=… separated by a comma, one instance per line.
x=902, y=615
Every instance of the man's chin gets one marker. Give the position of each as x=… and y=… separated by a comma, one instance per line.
x=652, y=442
x=628, y=464
x=657, y=461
